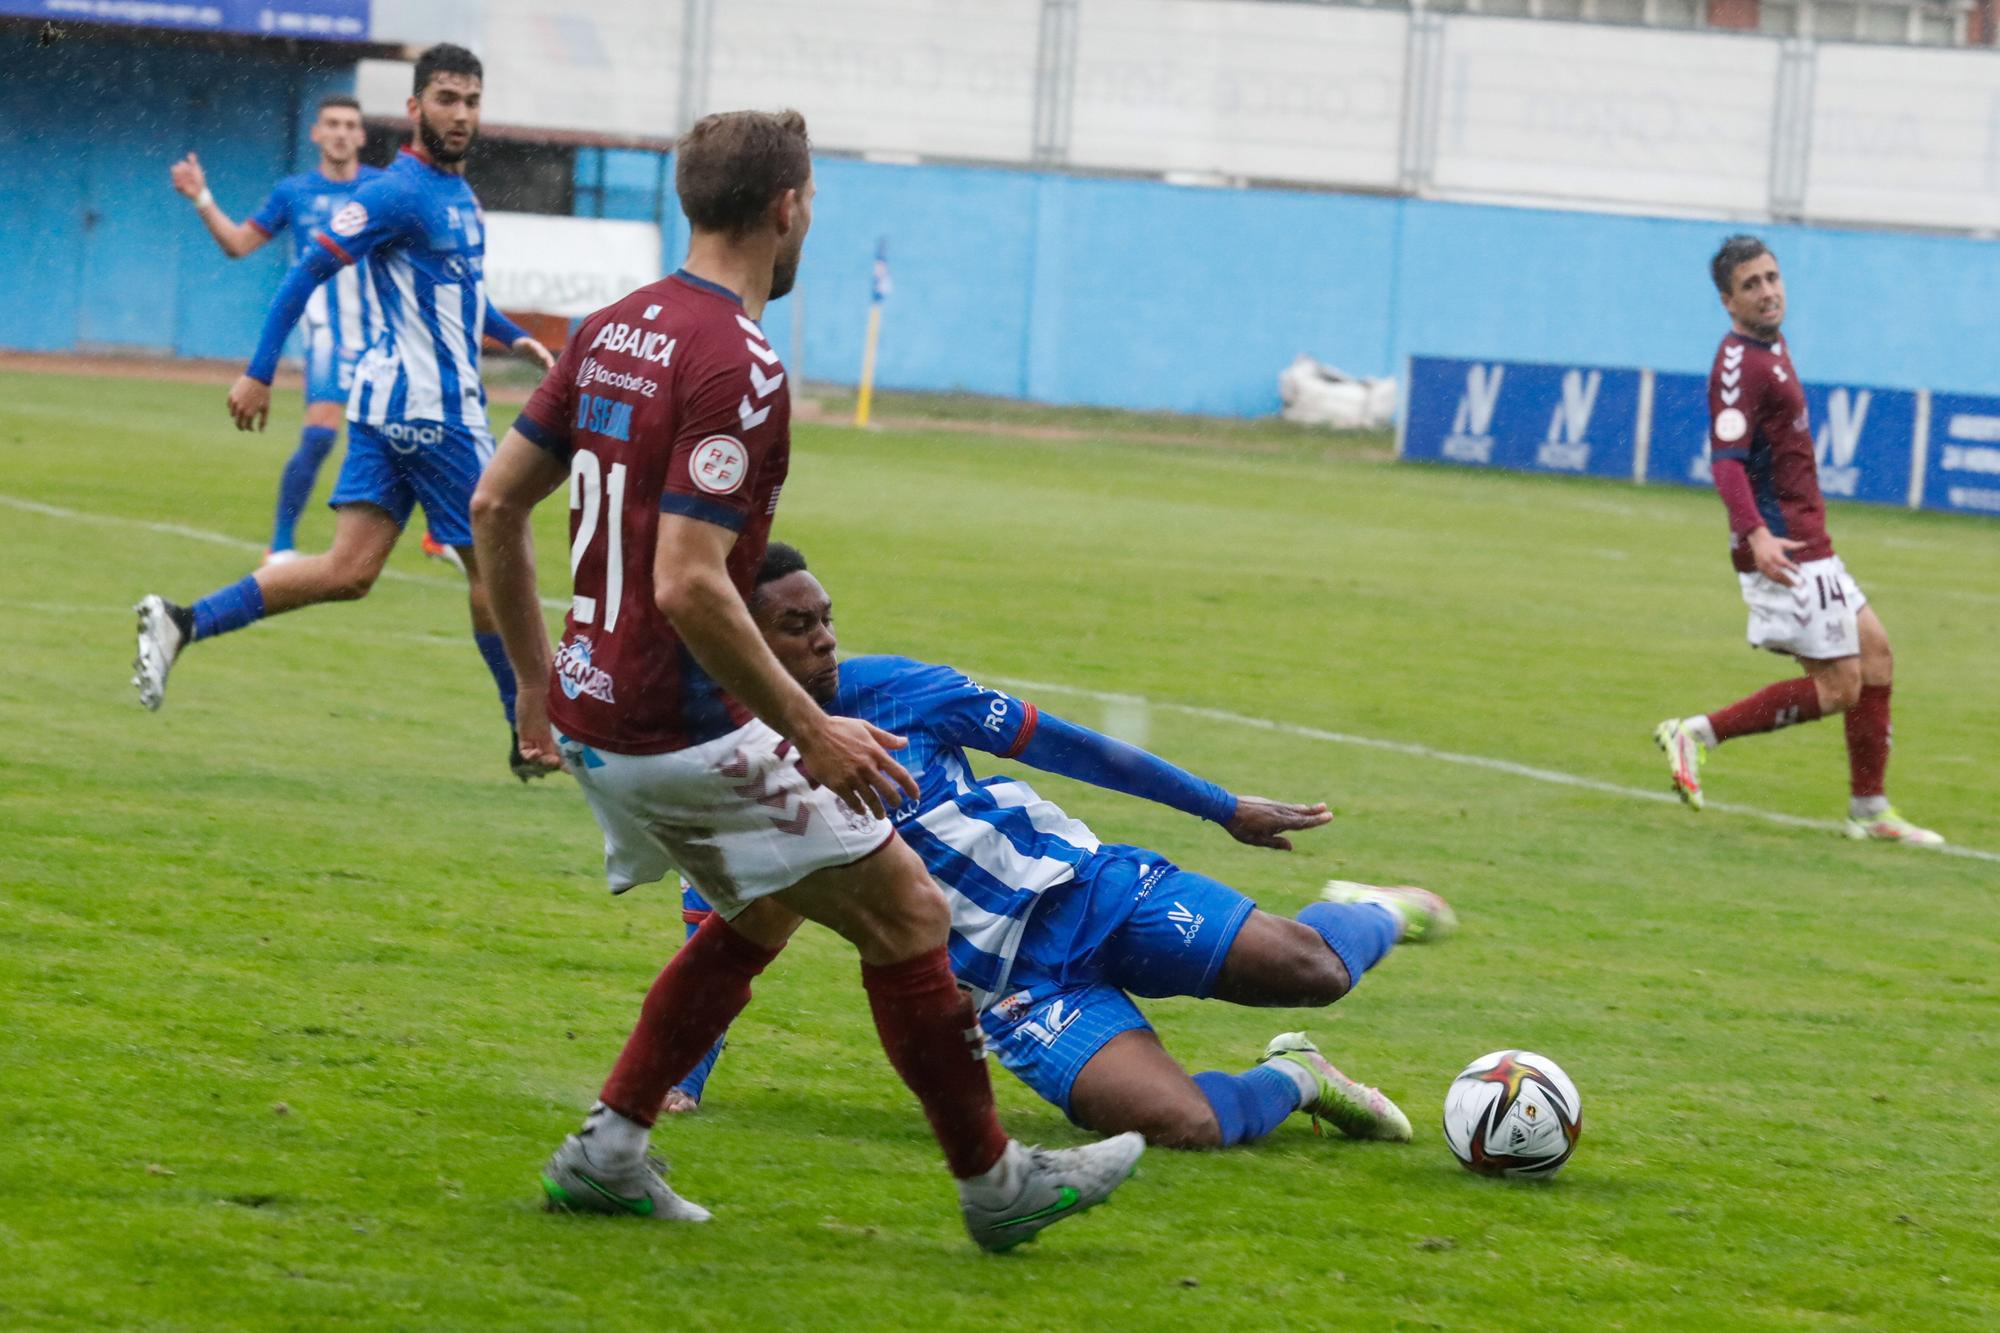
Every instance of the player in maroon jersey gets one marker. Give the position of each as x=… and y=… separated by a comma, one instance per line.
x=669, y=417
x=1802, y=600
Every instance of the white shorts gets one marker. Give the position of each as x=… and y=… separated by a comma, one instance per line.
x=735, y=815
x=1814, y=618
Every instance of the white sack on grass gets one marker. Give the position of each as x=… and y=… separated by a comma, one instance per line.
x=1316, y=394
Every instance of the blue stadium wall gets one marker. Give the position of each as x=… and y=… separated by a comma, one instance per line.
x=96, y=250
x=1057, y=288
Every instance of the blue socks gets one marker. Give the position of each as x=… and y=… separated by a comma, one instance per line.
x=495, y=653
x=1249, y=1106
x=1358, y=933
x=225, y=609
x=295, y=484
x=694, y=911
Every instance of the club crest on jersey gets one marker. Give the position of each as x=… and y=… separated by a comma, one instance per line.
x=577, y=676
x=719, y=465
x=350, y=220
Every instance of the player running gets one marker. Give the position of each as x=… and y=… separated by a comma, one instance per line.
x=417, y=418
x=341, y=318
x=1053, y=931
x=1766, y=469
x=669, y=418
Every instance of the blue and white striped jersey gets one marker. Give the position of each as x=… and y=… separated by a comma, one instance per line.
x=424, y=237
x=346, y=305
x=992, y=844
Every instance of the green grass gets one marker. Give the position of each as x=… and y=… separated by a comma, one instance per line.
x=297, y=988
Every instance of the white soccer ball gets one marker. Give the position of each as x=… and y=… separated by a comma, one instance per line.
x=1512, y=1113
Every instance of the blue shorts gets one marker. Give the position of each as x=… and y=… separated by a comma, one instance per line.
x=329, y=366
x=400, y=464
x=1136, y=925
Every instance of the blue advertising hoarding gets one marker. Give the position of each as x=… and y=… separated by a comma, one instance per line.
x=1962, y=471
x=1581, y=420
x=321, y=20
x=1864, y=437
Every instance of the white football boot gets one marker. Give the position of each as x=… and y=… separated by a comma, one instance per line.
x=638, y=1188
x=1885, y=825
x=160, y=642
x=1355, y=1109
x=1425, y=917
x=1039, y=1187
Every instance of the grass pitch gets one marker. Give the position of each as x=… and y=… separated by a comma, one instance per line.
x=298, y=988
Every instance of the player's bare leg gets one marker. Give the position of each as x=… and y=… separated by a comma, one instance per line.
x=1134, y=1085
x=1869, y=814
x=899, y=922
x=363, y=536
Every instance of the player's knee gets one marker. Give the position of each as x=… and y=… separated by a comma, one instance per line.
x=351, y=580
x=1190, y=1127
x=1840, y=692
x=1313, y=973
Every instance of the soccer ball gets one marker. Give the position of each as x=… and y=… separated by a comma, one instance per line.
x=1512, y=1113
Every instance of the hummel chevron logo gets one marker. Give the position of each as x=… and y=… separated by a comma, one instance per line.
x=1731, y=395
x=763, y=384
x=751, y=419
x=1731, y=378
x=761, y=352
x=750, y=327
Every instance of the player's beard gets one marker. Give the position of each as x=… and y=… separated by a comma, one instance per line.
x=784, y=274
x=434, y=143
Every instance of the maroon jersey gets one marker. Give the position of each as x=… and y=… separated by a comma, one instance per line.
x=670, y=401
x=1757, y=422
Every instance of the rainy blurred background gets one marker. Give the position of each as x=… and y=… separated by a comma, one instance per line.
x=1136, y=203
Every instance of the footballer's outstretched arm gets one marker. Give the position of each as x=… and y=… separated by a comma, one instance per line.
x=521, y=475
x=1059, y=746
x=692, y=587
x=236, y=239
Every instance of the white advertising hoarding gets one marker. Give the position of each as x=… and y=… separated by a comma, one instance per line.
x=938, y=78
x=1281, y=92
x=1905, y=136
x=566, y=266
x=1593, y=113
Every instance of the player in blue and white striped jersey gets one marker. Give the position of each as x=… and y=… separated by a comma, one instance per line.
x=341, y=317
x=417, y=429
x=1054, y=930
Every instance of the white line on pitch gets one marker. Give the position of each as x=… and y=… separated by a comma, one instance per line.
x=216, y=539
x=1555, y=777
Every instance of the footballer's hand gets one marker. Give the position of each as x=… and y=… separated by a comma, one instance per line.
x=1774, y=556
x=679, y=1103
x=527, y=346
x=188, y=177
x=1261, y=822
x=851, y=759
x=249, y=403
x=531, y=722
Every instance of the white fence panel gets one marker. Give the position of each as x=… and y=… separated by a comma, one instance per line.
x=1583, y=113
x=1905, y=136
x=941, y=78
x=1277, y=91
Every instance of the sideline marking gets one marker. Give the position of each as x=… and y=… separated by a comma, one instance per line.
x=1554, y=777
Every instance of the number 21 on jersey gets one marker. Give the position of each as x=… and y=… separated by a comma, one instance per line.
x=597, y=494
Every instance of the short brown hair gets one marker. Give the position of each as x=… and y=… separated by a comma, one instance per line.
x=348, y=100
x=731, y=165
x=1736, y=250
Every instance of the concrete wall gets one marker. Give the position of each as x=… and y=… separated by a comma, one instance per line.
x=96, y=250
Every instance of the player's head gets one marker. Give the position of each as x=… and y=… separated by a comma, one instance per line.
x=746, y=176
x=1746, y=275
x=337, y=131
x=796, y=617
x=444, y=102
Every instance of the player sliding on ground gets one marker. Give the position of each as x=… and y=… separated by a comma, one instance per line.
x=1053, y=931
x=417, y=427
x=1802, y=601
x=669, y=419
